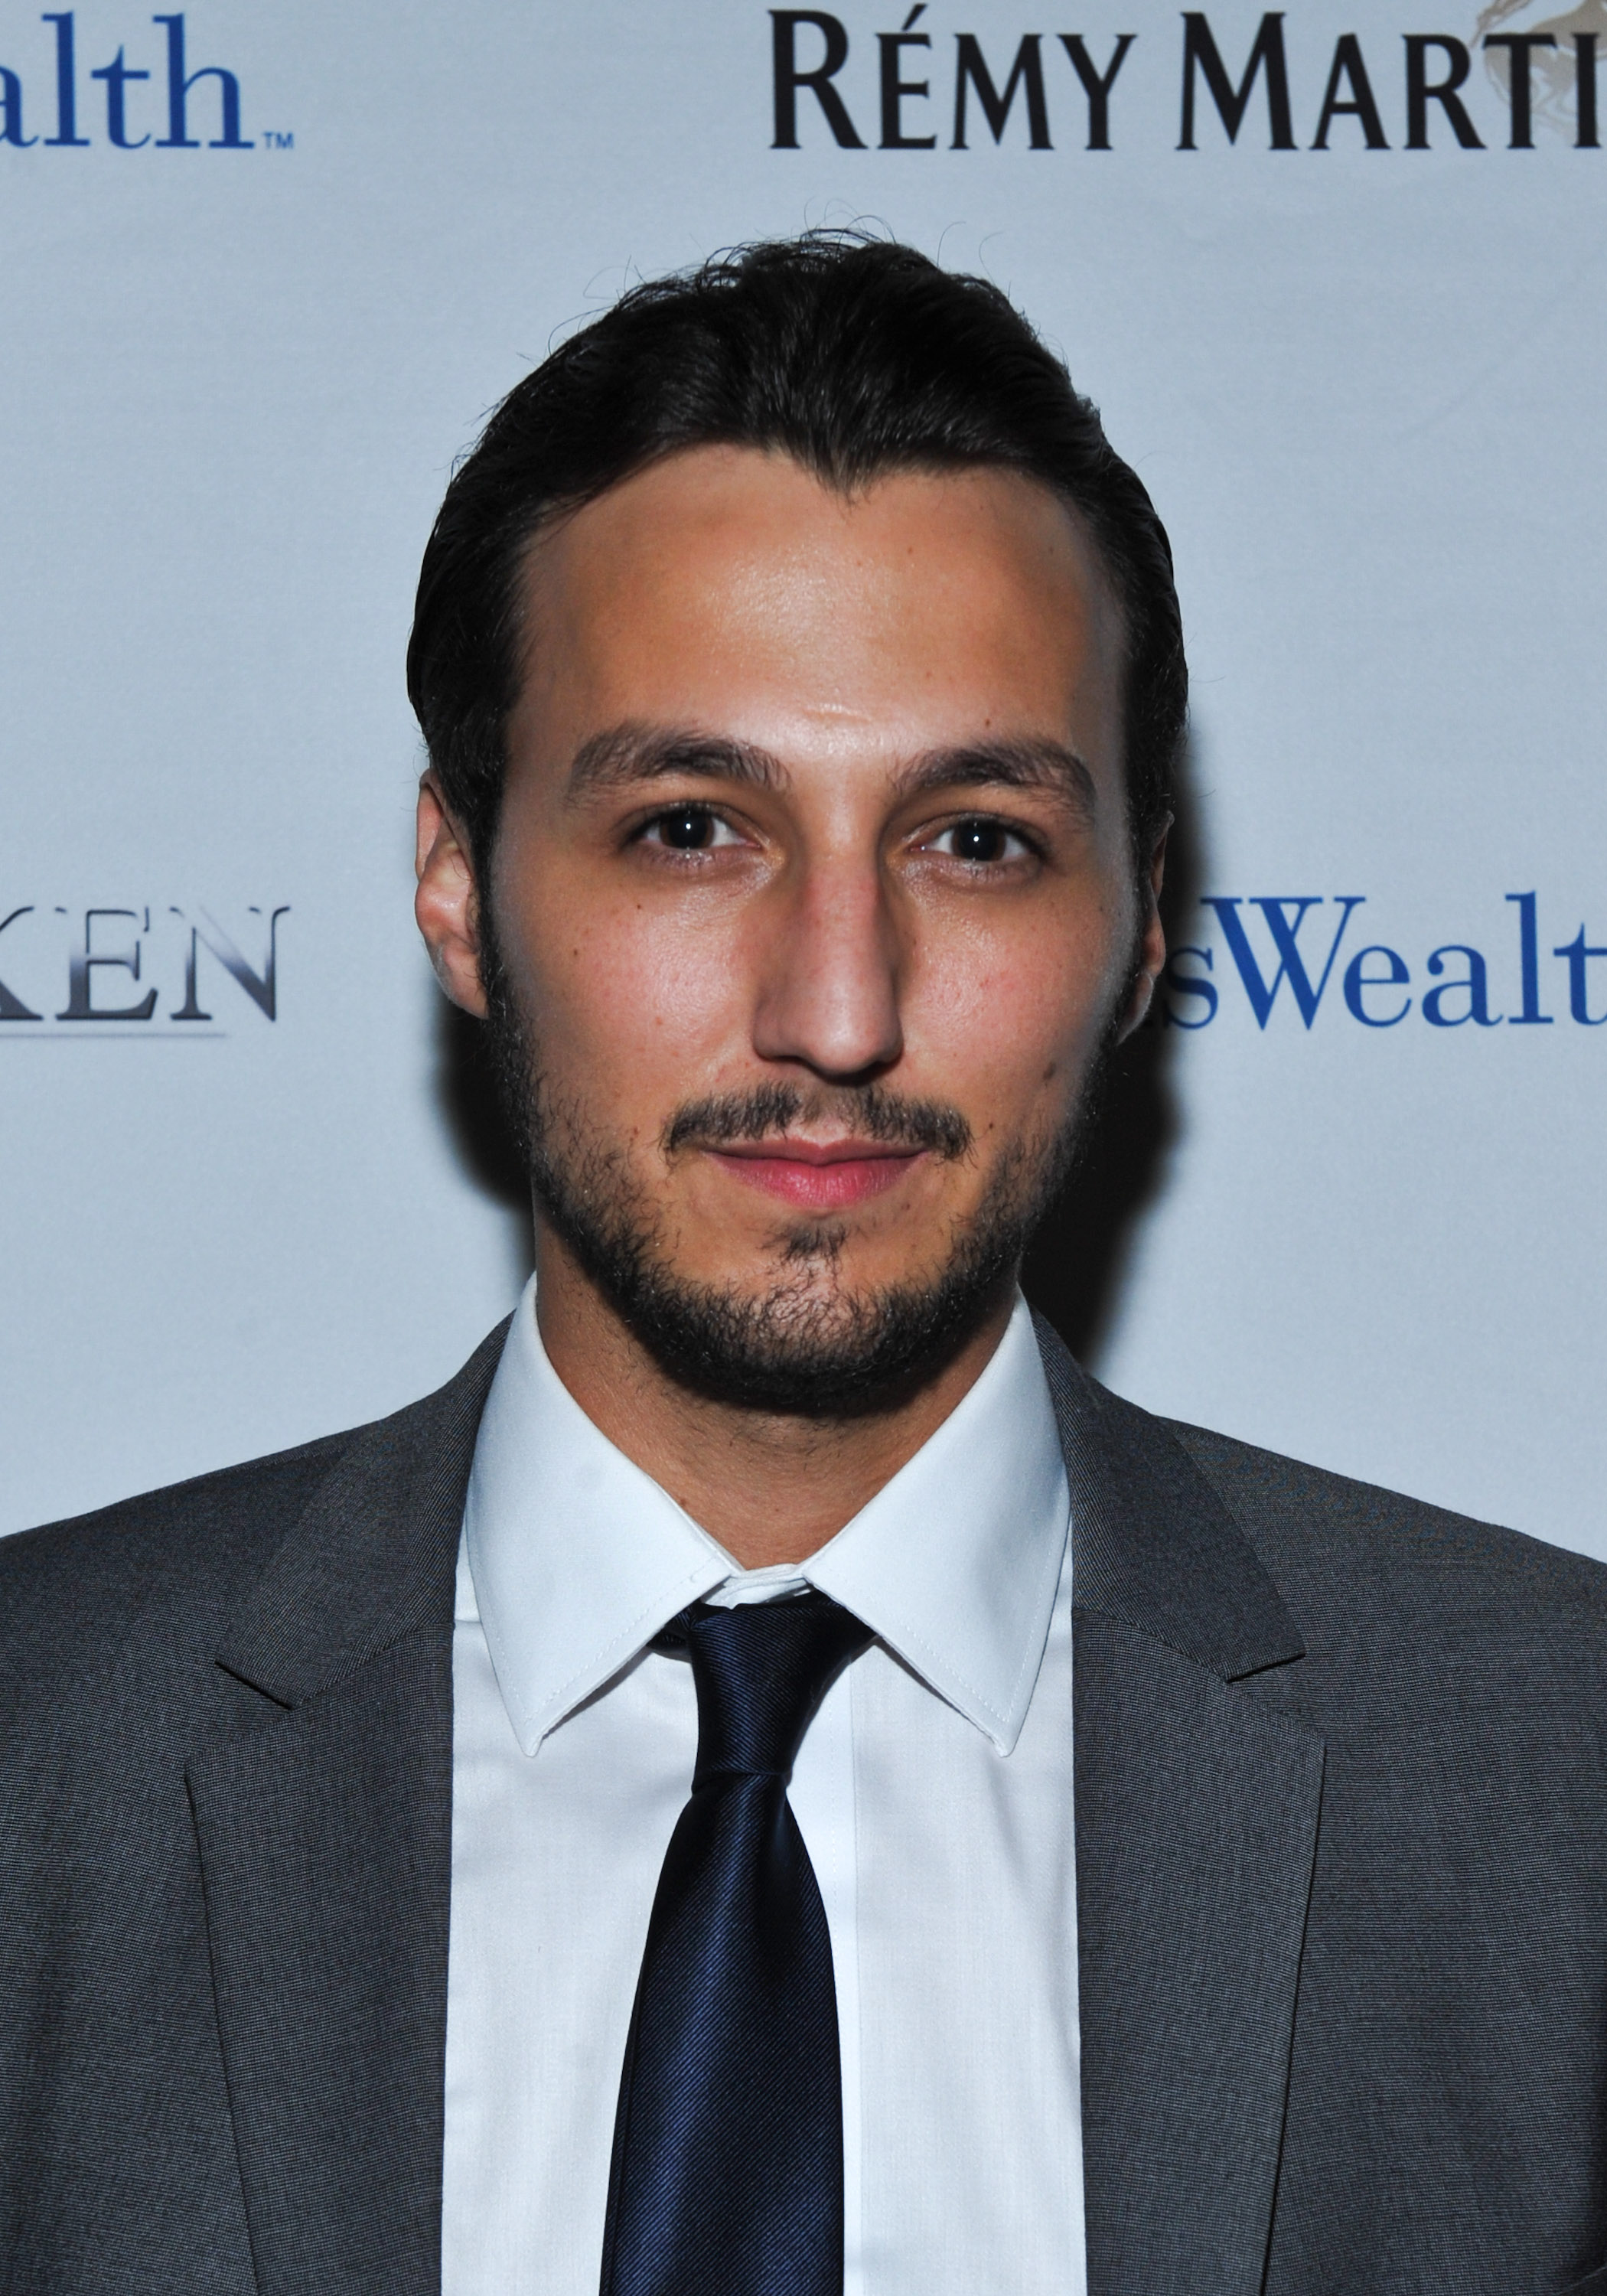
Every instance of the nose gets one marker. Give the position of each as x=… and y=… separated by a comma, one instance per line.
x=829, y=986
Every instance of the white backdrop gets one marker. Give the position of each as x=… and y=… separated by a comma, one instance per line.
x=1364, y=387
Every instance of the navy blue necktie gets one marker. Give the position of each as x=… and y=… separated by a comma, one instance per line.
x=727, y=2165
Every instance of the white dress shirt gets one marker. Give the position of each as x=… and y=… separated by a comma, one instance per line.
x=933, y=1792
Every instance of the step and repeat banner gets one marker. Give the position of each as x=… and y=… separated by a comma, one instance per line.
x=1335, y=276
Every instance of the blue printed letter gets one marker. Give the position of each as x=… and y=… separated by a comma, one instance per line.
x=1477, y=985
x=1359, y=981
x=1291, y=964
x=1187, y=984
x=1579, y=1000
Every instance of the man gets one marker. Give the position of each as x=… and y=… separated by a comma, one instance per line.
x=1114, y=1858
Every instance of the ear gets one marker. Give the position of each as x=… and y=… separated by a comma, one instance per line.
x=446, y=903
x=1151, y=944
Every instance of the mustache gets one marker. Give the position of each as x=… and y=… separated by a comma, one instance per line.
x=868, y=1111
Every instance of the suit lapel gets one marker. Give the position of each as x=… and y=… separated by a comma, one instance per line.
x=324, y=1818
x=1197, y=1811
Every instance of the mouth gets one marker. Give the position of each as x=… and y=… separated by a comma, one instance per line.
x=818, y=1176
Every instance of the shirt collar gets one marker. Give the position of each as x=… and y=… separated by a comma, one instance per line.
x=575, y=1558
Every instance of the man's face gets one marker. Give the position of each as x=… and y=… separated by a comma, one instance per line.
x=813, y=898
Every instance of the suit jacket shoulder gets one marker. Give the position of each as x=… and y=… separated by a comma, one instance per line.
x=1401, y=1600
x=1442, y=2123
x=1412, y=1546
x=153, y=1658
x=150, y=1580
x=150, y=1583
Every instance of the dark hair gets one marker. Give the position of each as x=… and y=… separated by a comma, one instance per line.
x=856, y=356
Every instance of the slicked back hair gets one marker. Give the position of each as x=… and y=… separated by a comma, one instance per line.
x=859, y=358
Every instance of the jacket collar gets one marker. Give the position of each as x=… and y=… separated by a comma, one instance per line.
x=1197, y=1809
x=323, y=1814
x=1153, y=1545
x=372, y=1557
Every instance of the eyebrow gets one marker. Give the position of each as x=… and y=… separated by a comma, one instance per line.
x=1035, y=763
x=630, y=753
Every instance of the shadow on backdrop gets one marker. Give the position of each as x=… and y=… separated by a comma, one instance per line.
x=468, y=1101
x=1074, y=1270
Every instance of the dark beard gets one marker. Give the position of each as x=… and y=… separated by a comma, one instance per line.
x=786, y=1350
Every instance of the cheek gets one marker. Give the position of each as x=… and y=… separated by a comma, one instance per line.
x=1011, y=1018
x=623, y=995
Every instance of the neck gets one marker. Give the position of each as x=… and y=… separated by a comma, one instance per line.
x=769, y=1486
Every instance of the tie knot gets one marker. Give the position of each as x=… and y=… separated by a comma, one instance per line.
x=761, y=1669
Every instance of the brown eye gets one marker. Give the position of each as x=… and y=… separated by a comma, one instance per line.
x=983, y=843
x=688, y=829
x=978, y=841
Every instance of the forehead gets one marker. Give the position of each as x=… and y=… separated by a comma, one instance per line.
x=724, y=584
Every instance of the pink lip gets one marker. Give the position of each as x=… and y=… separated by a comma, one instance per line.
x=819, y=1176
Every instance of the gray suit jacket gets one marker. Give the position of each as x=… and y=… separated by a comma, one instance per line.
x=1341, y=1829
